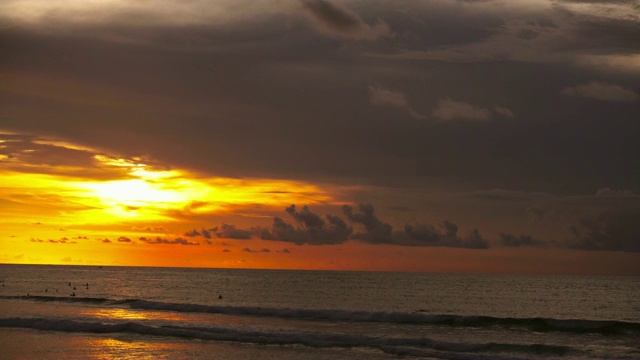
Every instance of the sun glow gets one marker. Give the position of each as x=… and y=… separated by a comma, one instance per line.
x=65, y=203
x=135, y=192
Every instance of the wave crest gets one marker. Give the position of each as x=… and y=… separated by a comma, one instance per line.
x=534, y=324
x=395, y=345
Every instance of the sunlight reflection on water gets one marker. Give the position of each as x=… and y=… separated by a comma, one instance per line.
x=127, y=314
x=108, y=348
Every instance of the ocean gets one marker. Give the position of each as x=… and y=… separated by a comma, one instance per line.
x=90, y=312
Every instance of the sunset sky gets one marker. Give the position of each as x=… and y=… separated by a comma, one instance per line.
x=434, y=135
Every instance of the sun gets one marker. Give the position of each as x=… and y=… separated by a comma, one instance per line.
x=134, y=192
x=147, y=193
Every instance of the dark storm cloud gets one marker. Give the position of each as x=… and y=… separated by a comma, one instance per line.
x=597, y=35
x=334, y=16
x=427, y=235
x=450, y=229
x=376, y=231
x=206, y=234
x=63, y=240
x=336, y=20
x=249, y=250
x=448, y=110
x=227, y=231
x=612, y=230
x=149, y=228
x=508, y=195
x=519, y=241
x=616, y=230
x=51, y=156
x=536, y=213
x=159, y=240
x=192, y=233
x=188, y=81
x=615, y=19
x=602, y=91
x=311, y=228
x=381, y=96
x=282, y=231
x=305, y=217
x=588, y=137
x=596, y=1
x=380, y=232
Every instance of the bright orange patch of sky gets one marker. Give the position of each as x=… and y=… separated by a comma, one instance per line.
x=63, y=203
x=52, y=214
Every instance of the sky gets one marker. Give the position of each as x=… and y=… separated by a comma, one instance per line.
x=419, y=135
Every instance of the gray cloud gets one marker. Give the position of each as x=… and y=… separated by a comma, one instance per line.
x=503, y=111
x=260, y=68
x=336, y=20
x=376, y=231
x=427, y=235
x=380, y=232
x=149, y=228
x=311, y=229
x=249, y=250
x=616, y=230
x=63, y=240
x=450, y=110
x=50, y=155
x=205, y=233
x=520, y=241
x=616, y=194
x=602, y=91
x=536, y=213
x=227, y=231
x=192, y=233
x=159, y=240
x=381, y=96
x=305, y=217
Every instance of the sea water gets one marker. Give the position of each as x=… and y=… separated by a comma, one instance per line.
x=84, y=312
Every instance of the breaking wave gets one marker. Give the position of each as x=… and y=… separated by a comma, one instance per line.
x=534, y=324
x=394, y=345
